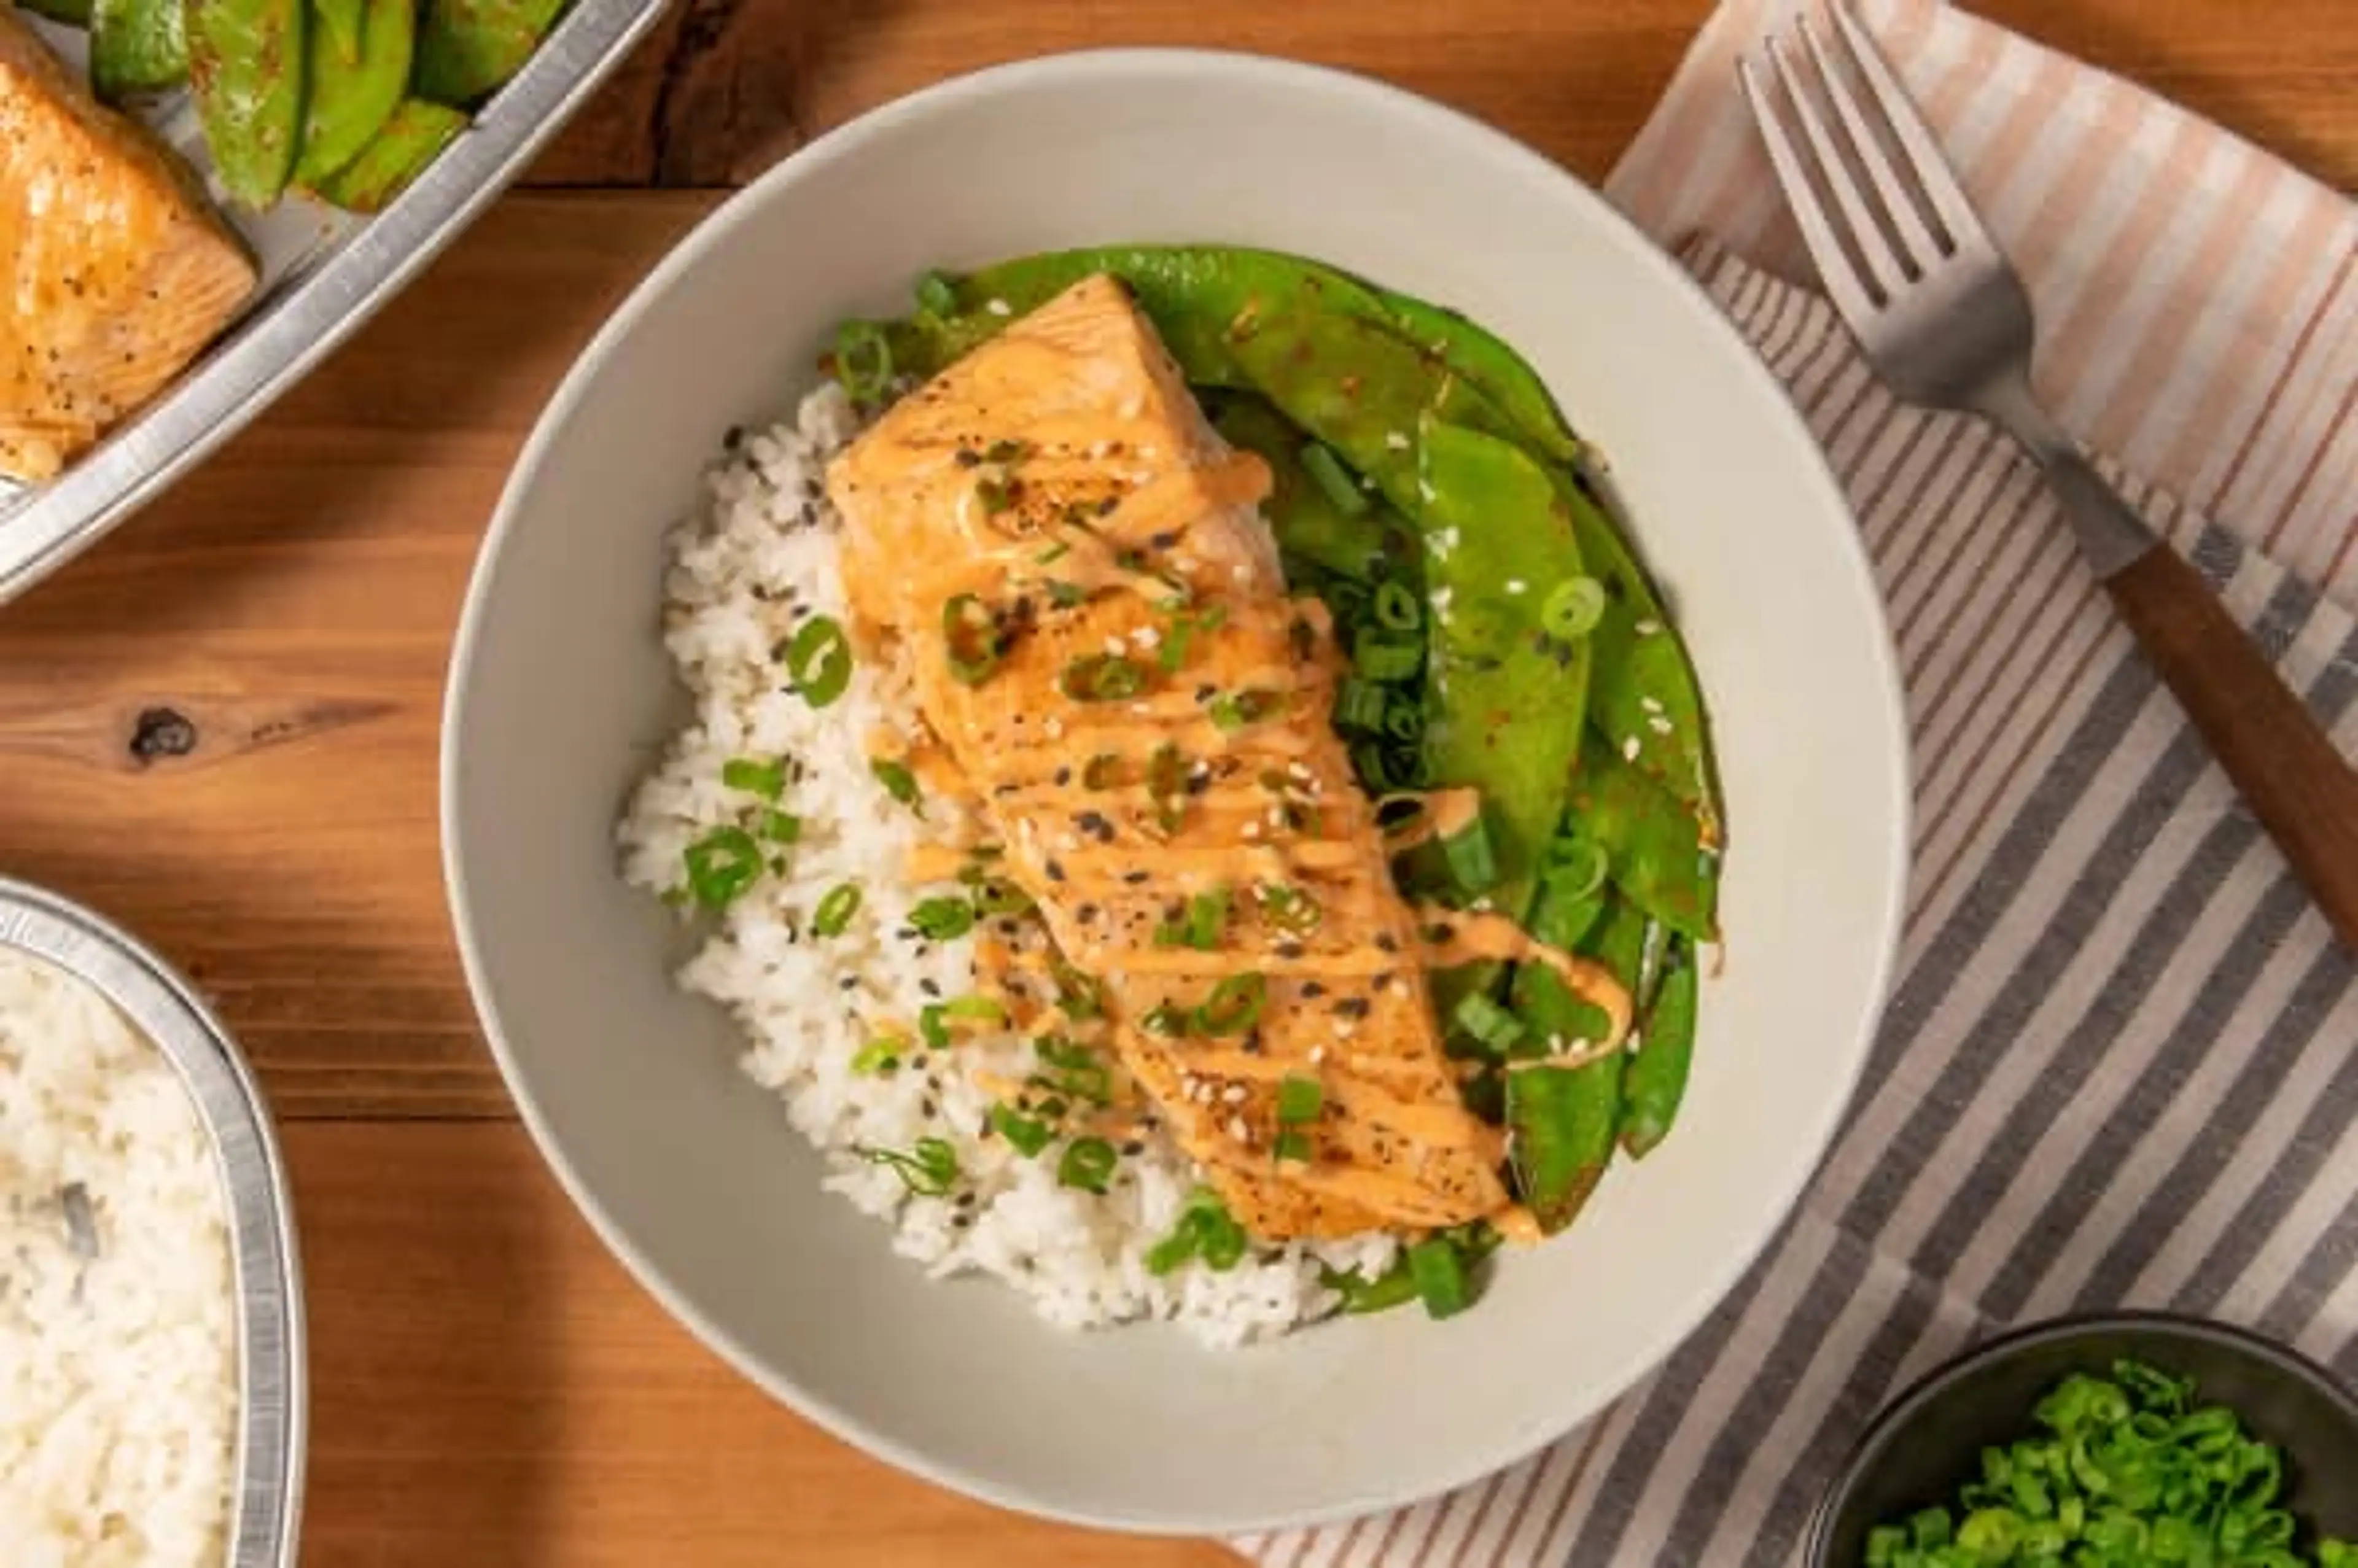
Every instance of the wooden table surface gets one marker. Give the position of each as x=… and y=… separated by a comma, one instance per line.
x=488, y=1388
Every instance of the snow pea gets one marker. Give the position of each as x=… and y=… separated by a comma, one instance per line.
x=1656, y=1079
x=1504, y=699
x=412, y=136
x=1307, y=522
x=352, y=97
x=467, y=49
x=137, y=48
x=247, y=62
x=1650, y=841
x=1561, y=1122
x=340, y=22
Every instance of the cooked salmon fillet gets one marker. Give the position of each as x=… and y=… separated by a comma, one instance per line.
x=1070, y=564
x=118, y=271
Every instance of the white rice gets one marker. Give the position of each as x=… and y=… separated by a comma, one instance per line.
x=761, y=558
x=118, y=1377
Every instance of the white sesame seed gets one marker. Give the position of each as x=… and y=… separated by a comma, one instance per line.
x=1344, y=1031
x=1648, y=628
x=1052, y=727
x=1000, y=307
x=1235, y=1094
x=1658, y=725
x=1239, y=1131
x=1146, y=636
x=1630, y=748
x=1113, y=647
x=1396, y=440
x=1651, y=703
x=1317, y=1055
x=1515, y=585
x=1424, y=491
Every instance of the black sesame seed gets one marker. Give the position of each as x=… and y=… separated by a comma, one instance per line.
x=931, y=988
x=1352, y=1007
x=1386, y=942
x=1062, y=777
x=1313, y=990
x=1163, y=539
x=1135, y=878
x=1290, y=949
x=968, y=459
x=1133, y=1148
x=1055, y=870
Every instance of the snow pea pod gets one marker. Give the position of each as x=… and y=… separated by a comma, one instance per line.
x=1561, y=1122
x=412, y=136
x=1504, y=699
x=467, y=49
x=247, y=62
x=352, y=97
x=137, y=46
x=1656, y=1079
x=339, y=21
x=1651, y=840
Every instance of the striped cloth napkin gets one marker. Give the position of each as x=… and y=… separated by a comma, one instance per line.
x=2121, y=1065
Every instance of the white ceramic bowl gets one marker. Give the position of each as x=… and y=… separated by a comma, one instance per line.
x=559, y=690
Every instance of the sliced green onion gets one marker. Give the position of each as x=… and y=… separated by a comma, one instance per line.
x=1386, y=658
x=1202, y=925
x=1292, y=1145
x=819, y=661
x=1473, y=864
x=1404, y=718
x=1574, y=866
x=1102, y=677
x=942, y=919
x=1076, y=993
x=1173, y=651
x=1574, y=607
x=995, y=896
x=1204, y=1230
x=780, y=827
x=1164, y=1019
x=767, y=779
x=863, y=361
x=933, y=1025
x=721, y=865
x=1025, y=1134
x=1234, y=1004
x=971, y=635
x=1101, y=772
x=1299, y=1099
x=1360, y=705
x=975, y=1010
x=1375, y=768
x=1394, y=1287
x=929, y=1168
x=1234, y=710
x=1077, y=1071
x=1440, y=1276
x=1066, y=595
x=997, y=495
x=1326, y=470
x=898, y=781
x=835, y=911
x=1088, y=1165
x=1290, y=909
x=1007, y=449
x=936, y=295
x=1396, y=608
x=1483, y=1020
x=879, y=1055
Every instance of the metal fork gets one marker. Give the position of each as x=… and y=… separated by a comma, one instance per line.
x=1945, y=322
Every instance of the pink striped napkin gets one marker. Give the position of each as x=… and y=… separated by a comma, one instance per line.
x=2116, y=1068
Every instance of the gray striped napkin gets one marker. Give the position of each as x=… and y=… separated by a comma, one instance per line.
x=2121, y=1065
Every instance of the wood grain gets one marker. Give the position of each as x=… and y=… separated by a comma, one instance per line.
x=725, y=87
x=221, y=728
x=490, y=1390
x=2289, y=774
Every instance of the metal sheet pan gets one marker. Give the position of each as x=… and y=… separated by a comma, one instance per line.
x=323, y=273
x=273, y=1405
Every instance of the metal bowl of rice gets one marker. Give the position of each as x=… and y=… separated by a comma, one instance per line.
x=708, y=1089
x=152, y=1401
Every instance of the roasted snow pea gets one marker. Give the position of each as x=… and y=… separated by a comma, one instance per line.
x=1504, y=699
x=340, y=22
x=137, y=46
x=1651, y=840
x=1305, y=519
x=351, y=98
x=1561, y=1122
x=411, y=137
x=247, y=62
x=1656, y=1079
x=467, y=49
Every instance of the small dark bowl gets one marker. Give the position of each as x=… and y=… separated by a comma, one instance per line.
x=1928, y=1443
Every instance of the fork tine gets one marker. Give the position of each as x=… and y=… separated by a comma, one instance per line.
x=1925, y=158
x=1916, y=242
x=1835, y=269
x=1872, y=246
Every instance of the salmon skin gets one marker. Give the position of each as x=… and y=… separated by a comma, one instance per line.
x=119, y=273
x=1070, y=566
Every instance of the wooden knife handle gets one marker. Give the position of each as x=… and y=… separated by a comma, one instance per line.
x=2296, y=783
